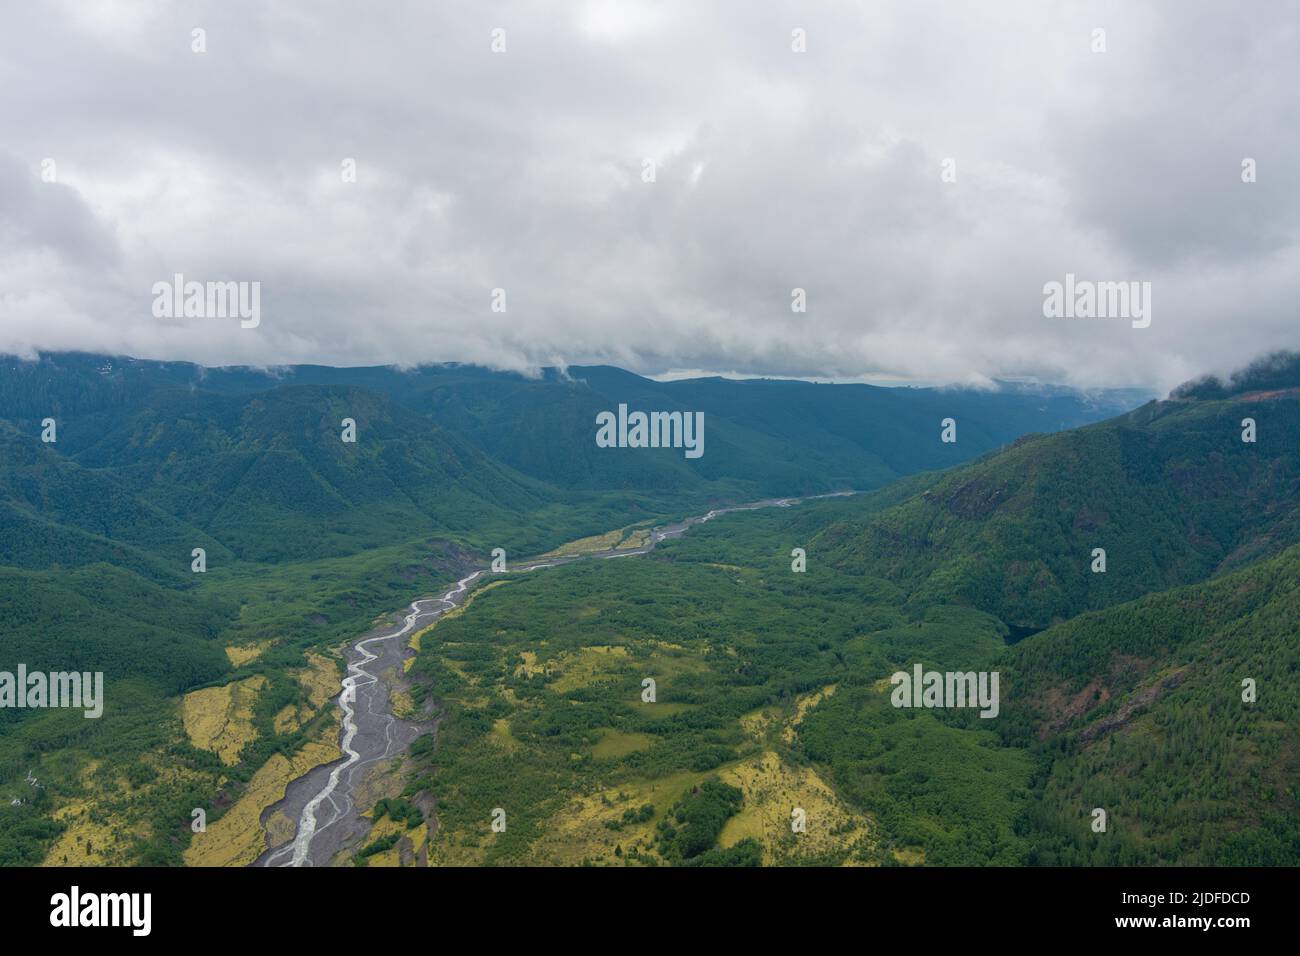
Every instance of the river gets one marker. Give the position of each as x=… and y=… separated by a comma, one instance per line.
x=321, y=801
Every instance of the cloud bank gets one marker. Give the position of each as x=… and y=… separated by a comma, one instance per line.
x=128, y=158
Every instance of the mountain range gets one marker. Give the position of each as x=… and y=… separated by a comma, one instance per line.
x=1123, y=685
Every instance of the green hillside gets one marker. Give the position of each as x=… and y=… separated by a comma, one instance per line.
x=1139, y=710
x=1169, y=491
x=1134, y=708
x=1120, y=689
x=269, y=475
x=763, y=438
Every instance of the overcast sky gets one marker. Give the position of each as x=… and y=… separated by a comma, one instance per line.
x=775, y=170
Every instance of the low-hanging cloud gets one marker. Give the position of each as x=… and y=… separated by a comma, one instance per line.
x=774, y=170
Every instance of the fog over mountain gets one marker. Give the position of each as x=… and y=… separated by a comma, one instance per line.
x=775, y=170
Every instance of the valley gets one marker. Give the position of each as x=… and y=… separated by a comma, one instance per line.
x=713, y=698
x=324, y=798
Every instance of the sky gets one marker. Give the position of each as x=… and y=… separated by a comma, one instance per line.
x=920, y=170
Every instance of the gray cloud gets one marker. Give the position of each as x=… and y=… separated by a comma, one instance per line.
x=775, y=170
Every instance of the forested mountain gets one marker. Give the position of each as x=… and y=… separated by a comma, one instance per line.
x=252, y=462
x=55, y=512
x=1171, y=707
x=1122, y=688
x=763, y=437
x=1129, y=703
x=270, y=476
x=1170, y=492
x=1142, y=711
x=307, y=538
